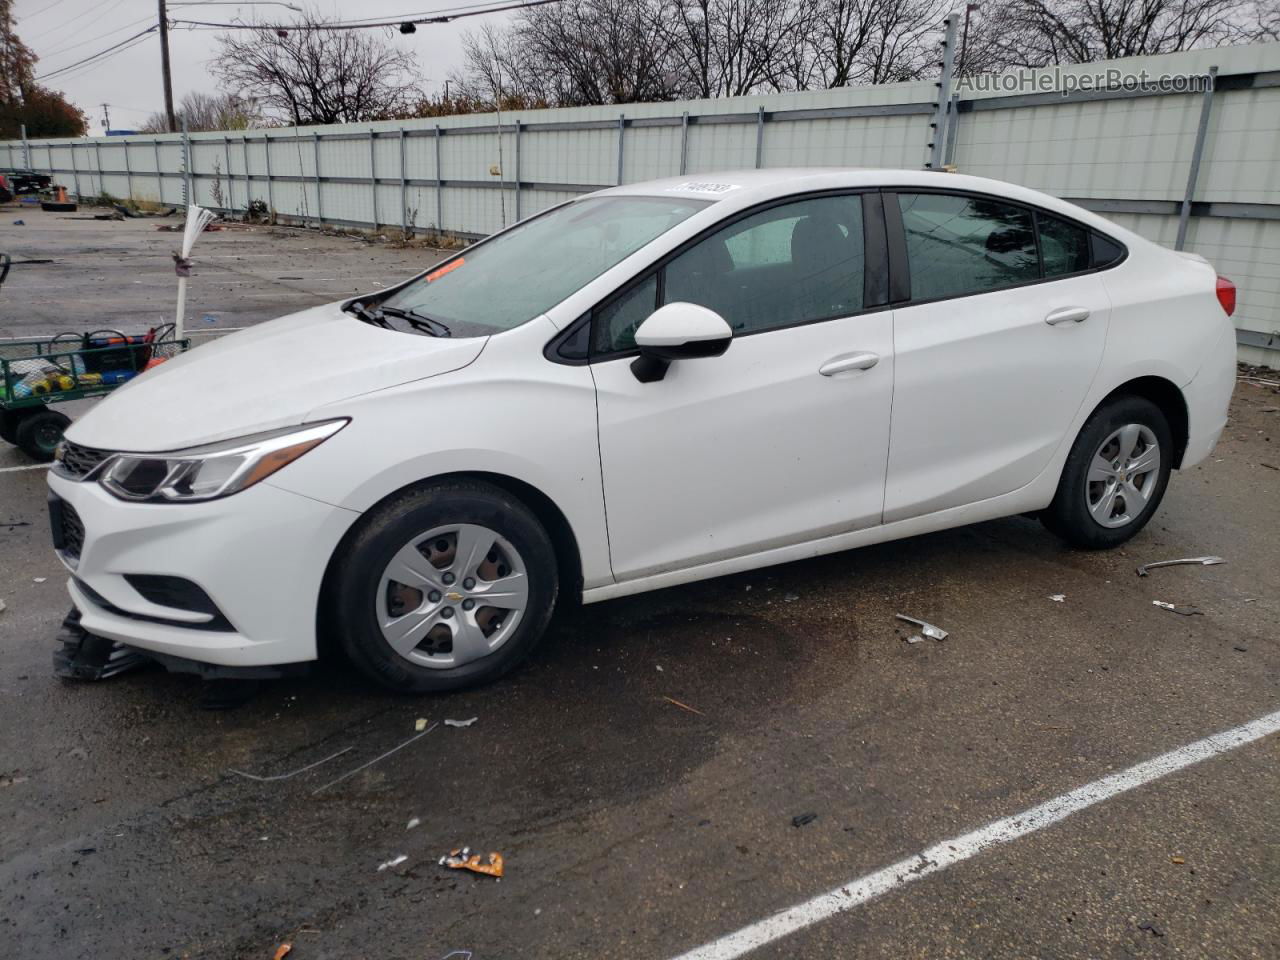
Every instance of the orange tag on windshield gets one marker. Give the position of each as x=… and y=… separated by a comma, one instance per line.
x=447, y=268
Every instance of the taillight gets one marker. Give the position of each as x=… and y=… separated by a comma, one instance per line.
x=1227, y=295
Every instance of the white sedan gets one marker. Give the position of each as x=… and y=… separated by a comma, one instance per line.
x=643, y=387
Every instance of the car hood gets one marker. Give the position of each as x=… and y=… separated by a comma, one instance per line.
x=271, y=375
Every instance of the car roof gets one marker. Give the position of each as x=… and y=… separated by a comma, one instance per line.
x=742, y=188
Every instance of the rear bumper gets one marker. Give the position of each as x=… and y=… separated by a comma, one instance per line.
x=1208, y=398
x=259, y=555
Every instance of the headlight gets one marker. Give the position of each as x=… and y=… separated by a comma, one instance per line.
x=214, y=470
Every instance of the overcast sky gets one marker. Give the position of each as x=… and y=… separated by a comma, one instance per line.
x=62, y=32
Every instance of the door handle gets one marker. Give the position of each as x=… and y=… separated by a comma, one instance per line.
x=849, y=361
x=1067, y=315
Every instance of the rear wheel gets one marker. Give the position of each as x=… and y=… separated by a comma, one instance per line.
x=1115, y=475
x=446, y=586
x=38, y=434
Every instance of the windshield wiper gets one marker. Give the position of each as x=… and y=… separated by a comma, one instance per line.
x=365, y=314
x=418, y=321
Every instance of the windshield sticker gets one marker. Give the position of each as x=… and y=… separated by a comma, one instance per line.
x=700, y=186
x=447, y=268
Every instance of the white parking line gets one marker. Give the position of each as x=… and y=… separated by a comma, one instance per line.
x=34, y=466
x=948, y=852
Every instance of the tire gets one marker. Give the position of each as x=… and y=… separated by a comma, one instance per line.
x=38, y=434
x=9, y=420
x=451, y=638
x=1094, y=507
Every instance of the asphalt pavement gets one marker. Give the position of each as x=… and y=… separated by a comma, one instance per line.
x=642, y=775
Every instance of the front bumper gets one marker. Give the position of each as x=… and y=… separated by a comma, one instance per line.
x=259, y=555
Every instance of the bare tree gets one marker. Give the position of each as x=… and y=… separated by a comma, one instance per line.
x=1036, y=33
x=867, y=41
x=311, y=73
x=1264, y=22
x=209, y=111
x=571, y=53
x=727, y=48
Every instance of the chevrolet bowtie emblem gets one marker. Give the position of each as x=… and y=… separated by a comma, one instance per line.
x=455, y=597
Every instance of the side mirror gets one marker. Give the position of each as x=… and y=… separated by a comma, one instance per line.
x=678, y=331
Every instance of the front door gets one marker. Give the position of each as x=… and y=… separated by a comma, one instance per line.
x=782, y=439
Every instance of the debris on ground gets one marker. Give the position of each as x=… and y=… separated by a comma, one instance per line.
x=791, y=597
x=282, y=951
x=1185, y=611
x=370, y=763
x=2, y=606
x=392, y=863
x=413, y=822
x=291, y=773
x=1202, y=561
x=464, y=859
x=1177, y=860
x=1151, y=928
x=928, y=629
x=1058, y=597
x=39, y=579
x=420, y=724
x=460, y=723
x=914, y=638
x=684, y=706
x=800, y=819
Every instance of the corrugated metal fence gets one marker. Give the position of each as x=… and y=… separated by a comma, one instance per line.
x=1125, y=150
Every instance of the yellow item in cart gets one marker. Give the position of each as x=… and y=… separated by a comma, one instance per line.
x=89, y=379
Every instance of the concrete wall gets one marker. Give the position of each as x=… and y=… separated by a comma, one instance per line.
x=1125, y=153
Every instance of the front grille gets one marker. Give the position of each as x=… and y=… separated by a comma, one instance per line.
x=72, y=530
x=77, y=462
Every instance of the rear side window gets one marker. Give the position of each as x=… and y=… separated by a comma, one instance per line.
x=958, y=245
x=1106, y=251
x=1064, y=246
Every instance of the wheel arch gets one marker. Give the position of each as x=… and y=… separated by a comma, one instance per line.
x=1164, y=394
x=552, y=518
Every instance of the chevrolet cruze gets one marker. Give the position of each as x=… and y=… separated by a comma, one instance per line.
x=642, y=387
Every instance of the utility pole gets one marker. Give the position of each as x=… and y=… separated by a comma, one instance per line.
x=964, y=42
x=164, y=69
x=106, y=118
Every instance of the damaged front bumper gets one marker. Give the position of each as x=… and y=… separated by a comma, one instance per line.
x=229, y=583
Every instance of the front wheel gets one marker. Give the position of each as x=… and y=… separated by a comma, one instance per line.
x=445, y=586
x=1115, y=475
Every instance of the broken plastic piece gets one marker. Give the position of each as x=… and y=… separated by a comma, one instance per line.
x=800, y=819
x=1058, y=597
x=413, y=822
x=464, y=859
x=915, y=638
x=1185, y=611
x=1202, y=561
x=392, y=863
x=282, y=951
x=928, y=629
x=420, y=724
x=460, y=723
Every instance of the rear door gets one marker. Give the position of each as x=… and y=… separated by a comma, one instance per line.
x=996, y=345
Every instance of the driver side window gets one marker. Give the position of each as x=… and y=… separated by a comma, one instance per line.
x=793, y=263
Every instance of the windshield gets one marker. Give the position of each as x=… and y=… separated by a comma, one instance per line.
x=529, y=269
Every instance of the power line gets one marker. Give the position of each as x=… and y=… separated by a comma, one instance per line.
x=443, y=16
x=100, y=53
x=69, y=73
x=99, y=37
